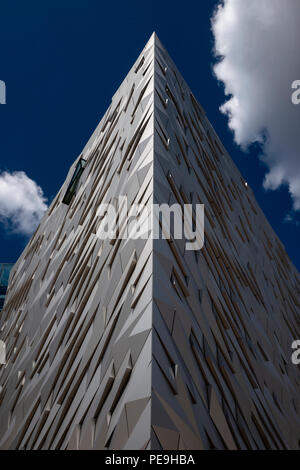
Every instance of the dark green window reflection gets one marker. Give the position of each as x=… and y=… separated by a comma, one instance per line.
x=74, y=181
x=4, y=277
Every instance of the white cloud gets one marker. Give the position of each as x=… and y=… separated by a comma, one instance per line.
x=258, y=44
x=22, y=202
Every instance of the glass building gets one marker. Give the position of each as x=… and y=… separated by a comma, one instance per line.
x=4, y=277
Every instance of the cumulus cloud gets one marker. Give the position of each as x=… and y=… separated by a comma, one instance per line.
x=257, y=44
x=22, y=202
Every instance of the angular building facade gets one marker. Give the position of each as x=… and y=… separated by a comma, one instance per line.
x=141, y=343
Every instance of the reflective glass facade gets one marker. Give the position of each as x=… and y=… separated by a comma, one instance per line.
x=4, y=277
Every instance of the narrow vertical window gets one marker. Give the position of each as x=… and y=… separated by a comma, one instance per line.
x=74, y=181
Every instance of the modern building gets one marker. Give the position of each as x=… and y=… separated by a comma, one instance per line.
x=140, y=343
x=4, y=277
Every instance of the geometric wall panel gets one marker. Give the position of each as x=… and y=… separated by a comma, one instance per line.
x=140, y=343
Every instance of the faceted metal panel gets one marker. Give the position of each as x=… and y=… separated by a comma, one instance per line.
x=78, y=317
x=141, y=344
x=225, y=317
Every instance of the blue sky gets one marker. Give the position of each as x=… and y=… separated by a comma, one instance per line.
x=63, y=60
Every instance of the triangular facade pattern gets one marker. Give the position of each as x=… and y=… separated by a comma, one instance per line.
x=141, y=344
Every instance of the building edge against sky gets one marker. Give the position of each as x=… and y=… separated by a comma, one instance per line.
x=140, y=344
